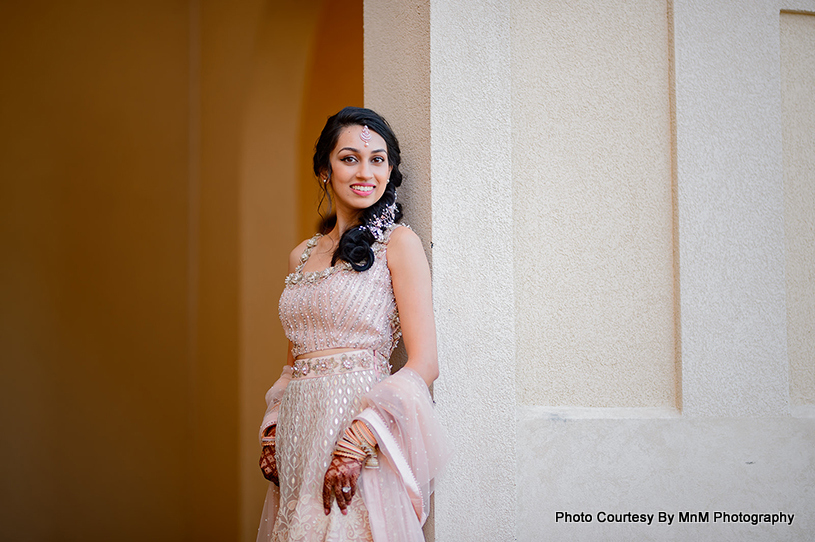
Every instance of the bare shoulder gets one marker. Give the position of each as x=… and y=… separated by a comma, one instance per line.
x=404, y=239
x=405, y=246
x=294, y=255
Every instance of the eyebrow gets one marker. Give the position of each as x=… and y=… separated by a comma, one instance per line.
x=352, y=149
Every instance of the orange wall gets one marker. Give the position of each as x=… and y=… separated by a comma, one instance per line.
x=334, y=79
x=94, y=320
x=120, y=268
x=304, y=68
x=142, y=215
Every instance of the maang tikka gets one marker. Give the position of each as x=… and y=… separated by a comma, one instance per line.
x=365, y=135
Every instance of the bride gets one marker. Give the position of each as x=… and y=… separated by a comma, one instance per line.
x=351, y=451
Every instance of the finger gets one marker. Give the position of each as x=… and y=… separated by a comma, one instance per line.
x=268, y=472
x=348, y=482
x=340, y=496
x=327, y=494
x=273, y=466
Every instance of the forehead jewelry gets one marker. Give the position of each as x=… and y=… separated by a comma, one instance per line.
x=365, y=135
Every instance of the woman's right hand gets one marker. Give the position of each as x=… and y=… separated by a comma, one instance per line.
x=267, y=462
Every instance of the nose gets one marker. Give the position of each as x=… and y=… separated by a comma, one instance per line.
x=364, y=170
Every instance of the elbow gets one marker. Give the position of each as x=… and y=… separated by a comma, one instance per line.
x=431, y=373
x=434, y=373
x=428, y=370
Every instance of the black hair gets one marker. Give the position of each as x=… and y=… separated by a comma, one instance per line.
x=355, y=244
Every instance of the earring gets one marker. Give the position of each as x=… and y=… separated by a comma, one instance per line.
x=325, y=181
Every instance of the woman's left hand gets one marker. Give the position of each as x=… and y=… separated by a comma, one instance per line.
x=341, y=482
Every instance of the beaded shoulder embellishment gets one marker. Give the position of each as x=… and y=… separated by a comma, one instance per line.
x=313, y=276
x=299, y=276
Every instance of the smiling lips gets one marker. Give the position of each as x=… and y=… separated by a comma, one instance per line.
x=362, y=189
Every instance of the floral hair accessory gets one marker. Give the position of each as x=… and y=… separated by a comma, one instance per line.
x=379, y=225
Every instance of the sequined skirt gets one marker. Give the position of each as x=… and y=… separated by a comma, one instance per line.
x=319, y=403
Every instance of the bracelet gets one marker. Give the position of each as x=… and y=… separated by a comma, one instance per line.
x=348, y=449
x=268, y=440
x=341, y=453
x=358, y=443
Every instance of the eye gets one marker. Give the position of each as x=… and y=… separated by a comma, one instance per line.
x=378, y=159
x=348, y=159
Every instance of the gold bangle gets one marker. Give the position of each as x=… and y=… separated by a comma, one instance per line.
x=350, y=455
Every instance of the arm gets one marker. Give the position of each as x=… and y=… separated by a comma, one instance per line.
x=410, y=275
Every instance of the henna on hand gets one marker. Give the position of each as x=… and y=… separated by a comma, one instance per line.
x=342, y=472
x=268, y=464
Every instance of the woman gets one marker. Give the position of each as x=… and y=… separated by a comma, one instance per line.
x=353, y=449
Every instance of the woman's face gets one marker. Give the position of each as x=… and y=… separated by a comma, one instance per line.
x=359, y=173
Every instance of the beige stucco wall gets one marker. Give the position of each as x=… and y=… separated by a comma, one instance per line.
x=471, y=177
x=400, y=90
x=592, y=204
x=645, y=465
x=446, y=117
x=798, y=94
x=733, y=446
x=687, y=100
x=730, y=209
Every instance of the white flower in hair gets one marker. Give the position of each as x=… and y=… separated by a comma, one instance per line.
x=379, y=225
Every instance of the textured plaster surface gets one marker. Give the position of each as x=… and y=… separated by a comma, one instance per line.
x=593, y=208
x=397, y=85
x=798, y=93
x=472, y=265
x=733, y=445
x=730, y=208
x=800, y=6
x=650, y=464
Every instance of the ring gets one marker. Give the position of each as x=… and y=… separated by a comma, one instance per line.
x=346, y=489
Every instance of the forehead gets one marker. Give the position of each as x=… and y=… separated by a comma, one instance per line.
x=350, y=137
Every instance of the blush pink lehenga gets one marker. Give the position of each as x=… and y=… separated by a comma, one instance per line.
x=313, y=402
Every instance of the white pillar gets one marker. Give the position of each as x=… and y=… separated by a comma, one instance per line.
x=440, y=72
x=730, y=209
x=471, y=172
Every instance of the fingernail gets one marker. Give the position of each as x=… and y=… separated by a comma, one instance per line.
x=327, y=510
x=344, y=512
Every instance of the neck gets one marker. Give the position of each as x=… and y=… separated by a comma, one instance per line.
x=345, y=221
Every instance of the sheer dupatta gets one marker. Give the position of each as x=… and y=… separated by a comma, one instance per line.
x=413, y=450
x=273, y=398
